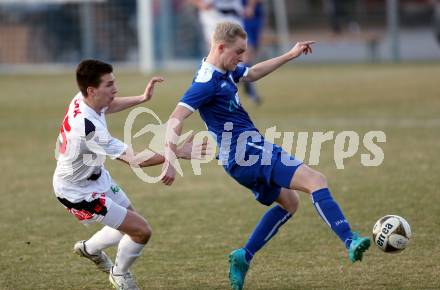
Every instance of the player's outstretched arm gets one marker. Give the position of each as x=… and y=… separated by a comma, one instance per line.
x=174, y=129
x=122, y=103
x=143, y=159
x=264, y=68
x=146, y=158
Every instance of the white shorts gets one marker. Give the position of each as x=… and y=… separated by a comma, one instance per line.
x=108, y=208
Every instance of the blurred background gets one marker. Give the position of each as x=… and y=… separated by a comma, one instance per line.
x=375, y=68
x=146, y=35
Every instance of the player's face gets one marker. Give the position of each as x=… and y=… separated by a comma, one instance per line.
x=106, y=91
x=233, y=53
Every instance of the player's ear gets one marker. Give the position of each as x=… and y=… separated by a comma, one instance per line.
x=221, y=47
x=90, y=91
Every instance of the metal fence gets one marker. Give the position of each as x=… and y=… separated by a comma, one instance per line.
x=62, y=32
x=36, y=33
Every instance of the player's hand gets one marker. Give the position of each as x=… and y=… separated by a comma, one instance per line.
x=190, y=150
x=150, y=88
x=170, y=173
x=301, y=47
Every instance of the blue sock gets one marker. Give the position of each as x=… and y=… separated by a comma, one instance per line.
x=268, y=226
x=250, y=89
x=330, y=212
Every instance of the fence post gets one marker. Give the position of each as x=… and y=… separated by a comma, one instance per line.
x=145, y=35
x=393, y=28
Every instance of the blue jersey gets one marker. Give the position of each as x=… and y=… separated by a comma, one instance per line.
x=214, y=94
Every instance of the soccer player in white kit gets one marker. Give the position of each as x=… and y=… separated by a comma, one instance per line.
x=83, y=185
x=212, y=12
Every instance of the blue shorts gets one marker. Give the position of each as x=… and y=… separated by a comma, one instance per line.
x=253, y=29
x=268, y=175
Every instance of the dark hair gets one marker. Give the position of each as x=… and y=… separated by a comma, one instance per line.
x=89, y=73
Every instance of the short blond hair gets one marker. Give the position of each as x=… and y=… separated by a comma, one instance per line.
x=228, y=32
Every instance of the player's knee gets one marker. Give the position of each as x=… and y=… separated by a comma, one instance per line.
x=289, y=200
x=147, y=233
x=143, y=233
x=294, y=203
x=316, y=181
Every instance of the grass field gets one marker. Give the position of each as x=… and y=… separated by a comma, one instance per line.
x=199, y=220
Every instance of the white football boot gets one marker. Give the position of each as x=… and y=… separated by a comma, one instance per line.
x=101, y=260
x=123, y=282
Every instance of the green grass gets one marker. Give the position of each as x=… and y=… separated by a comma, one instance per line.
x=198, y=221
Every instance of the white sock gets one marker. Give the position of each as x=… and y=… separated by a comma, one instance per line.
x=128, y=251
x=103, y=239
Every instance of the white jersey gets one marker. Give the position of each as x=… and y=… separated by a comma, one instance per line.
x=227, y=6
x=83, y=144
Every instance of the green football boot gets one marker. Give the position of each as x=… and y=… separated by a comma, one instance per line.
x=238, y=267
x=357, y=247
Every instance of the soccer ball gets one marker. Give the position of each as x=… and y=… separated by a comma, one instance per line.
x=391, y=233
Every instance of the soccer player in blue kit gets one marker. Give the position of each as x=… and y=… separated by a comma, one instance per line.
x=253, y=22
x=276, y=175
